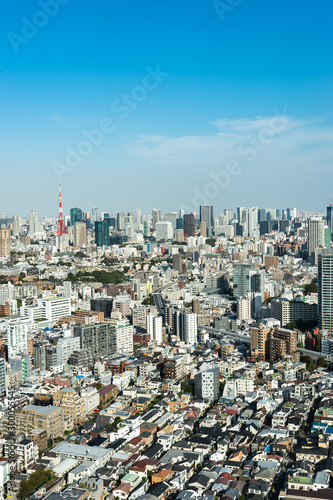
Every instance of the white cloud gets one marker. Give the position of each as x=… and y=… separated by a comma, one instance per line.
x=282, y=140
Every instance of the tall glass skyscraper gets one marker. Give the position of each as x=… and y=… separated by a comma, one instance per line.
x=330, y=219
x=207, y=216
x=325, y=289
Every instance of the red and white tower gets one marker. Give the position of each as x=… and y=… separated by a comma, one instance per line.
x=61, y=229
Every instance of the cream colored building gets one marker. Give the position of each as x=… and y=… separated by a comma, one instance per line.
x=49, y=418
x=4, y=242
x=71, y=403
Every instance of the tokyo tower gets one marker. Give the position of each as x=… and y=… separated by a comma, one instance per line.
x=61, y=229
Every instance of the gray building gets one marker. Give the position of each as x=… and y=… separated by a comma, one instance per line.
x=207, y=216
x=242, y=282
x=325, y=289
x=207, y=384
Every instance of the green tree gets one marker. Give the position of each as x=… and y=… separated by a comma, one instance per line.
x=148, y=301
x=291, y=326
x=186, y=388
x=322, y=362
x=311, y=288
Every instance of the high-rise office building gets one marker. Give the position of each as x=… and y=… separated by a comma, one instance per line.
x=121, y=221
x=325, y=289
x=330, y=219
x=156, y=214
x=16, y=225
x=180, y=223
x=79, y=234
x=242, y=218
x=164, y=231
x=76, y=215
x=172, y=217
x=291, y=213
x=4, y=242
x=242, y=282
x=229, y=213
x=94, y=217
x=207, y=216
x=189, y=226
x=146, y=229
x=102, y=233
x=252, y=221
x=316, y=237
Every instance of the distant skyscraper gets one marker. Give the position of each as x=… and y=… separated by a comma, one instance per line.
x=121, y=221
x=180, y=223
x=330, y=219
x=102, y=236
x=76, y=215
x=16, y=225
x=79, y=234
x=252, y=221
x=146, y=229
x=189, y=225
x=172, y=217
x=325, y=289
x=203, y=229
x=164, y=231
x=34, y=226
x=207, y=216
x=242, y=218
x=291, y=213
x=94, y=216
x=156, y=213
x=4, y=242
x=316, y=237
x=229, y=213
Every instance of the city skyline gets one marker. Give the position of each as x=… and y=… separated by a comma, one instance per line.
x=187, y=98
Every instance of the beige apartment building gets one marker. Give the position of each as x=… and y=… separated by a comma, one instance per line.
x=71, y=403
x=48, y=418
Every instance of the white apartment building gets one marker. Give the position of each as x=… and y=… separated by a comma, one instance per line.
x=155, y=327
x=66, y=346
x=55, y=307
x=122, y=332
x=90, y=395
x=17, y=331
x=244, y=308
x=190, y=325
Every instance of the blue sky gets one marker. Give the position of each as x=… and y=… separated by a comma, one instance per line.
x=225, y=84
